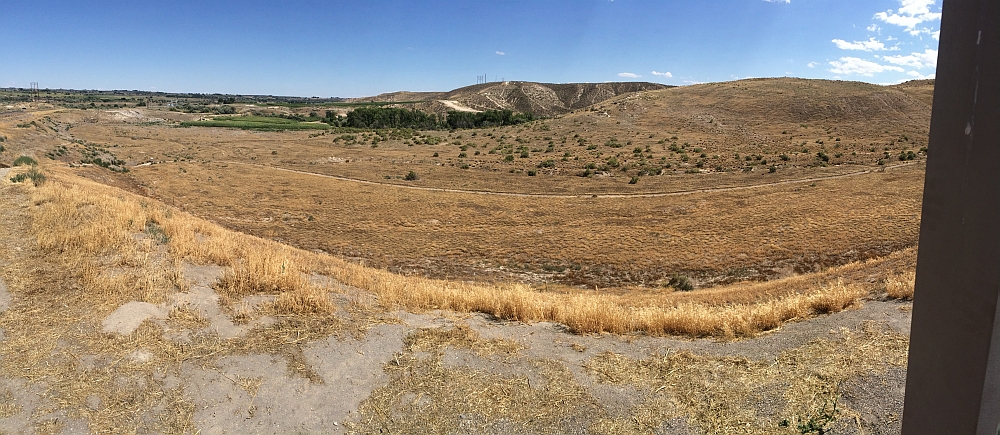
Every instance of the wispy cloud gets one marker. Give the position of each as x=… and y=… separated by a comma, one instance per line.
x=661, y=74
x=854, y=65
x=500, y=53
x=919, y=76
x=927, y=59
x=629, y=75
x=812, y=64
x=870, y=45
x=778, y=1
x=911, y=14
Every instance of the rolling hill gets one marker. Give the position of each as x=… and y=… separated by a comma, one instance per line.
x=542, y=99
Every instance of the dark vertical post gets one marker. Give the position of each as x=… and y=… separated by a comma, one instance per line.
x=952, y=384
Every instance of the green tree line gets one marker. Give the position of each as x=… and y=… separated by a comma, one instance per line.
x=391, y=117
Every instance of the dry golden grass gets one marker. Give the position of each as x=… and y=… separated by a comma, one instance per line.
x=426, y=396
x=609, y=242
x=73, y=215
x=724, y=395
x=900, y=286
x=711, y=394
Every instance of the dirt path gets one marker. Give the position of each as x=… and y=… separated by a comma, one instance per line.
x=600, y=195
x=455, y=105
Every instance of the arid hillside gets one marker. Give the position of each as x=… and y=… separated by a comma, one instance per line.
x=540, y=99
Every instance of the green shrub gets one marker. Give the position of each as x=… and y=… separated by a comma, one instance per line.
x=634, y=180
x=25, y=160
x=411, y=176
x=36, y=177
x=156, y=232
x=532, y=173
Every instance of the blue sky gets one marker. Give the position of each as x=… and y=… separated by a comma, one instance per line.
x=359, y=48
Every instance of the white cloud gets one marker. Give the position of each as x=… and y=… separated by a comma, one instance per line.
x=912, y=13
x=875, y=28
x=662, y=74
x=918, y=76
x=927, y=59
x=854, y=65
x=812, y=64
x=870, y=45
x=778, y=1
x=629, y=75
x=500, y=53
x=936, y=35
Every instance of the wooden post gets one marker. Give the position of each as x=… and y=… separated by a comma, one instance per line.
x=953, y=378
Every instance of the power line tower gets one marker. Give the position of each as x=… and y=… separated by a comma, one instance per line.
x=34, y=91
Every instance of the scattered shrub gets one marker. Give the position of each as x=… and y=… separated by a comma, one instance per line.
x=36, y=177
x=411, y=176
x=25, y=160
x=681, y=282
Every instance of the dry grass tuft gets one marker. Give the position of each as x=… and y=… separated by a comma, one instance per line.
x=427, y=396
x=260, y=273
x=7, y=406
x=900, y=286
x=460, y=336
x=801, y=385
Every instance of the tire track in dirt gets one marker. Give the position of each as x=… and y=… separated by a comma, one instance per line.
x=584, y=195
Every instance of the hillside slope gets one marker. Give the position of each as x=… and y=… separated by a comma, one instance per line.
x=542, y=99
x=759, y=115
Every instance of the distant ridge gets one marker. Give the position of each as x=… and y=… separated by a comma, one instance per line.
x=544, y=99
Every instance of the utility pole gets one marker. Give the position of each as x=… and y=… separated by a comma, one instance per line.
x=34, y=91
